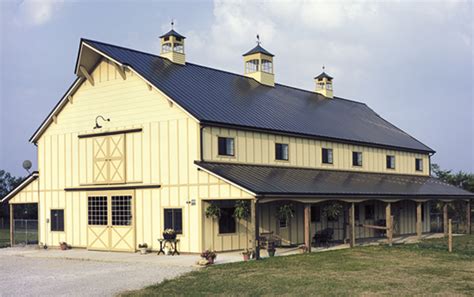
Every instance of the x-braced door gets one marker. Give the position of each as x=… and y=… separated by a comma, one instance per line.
x=111, y=222
x=109, y=159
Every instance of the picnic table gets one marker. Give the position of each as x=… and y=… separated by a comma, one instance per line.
x=173, y=243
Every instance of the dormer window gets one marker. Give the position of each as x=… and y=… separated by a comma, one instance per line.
x=166, y=48
x=179, y=39
x=225, y=146
x=251, y=66
x=167, y=38
x=267, y=66
x=419, y=164
x=390, y=162
x=327, y=156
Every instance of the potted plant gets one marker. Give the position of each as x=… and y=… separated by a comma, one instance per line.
x=209, y=255
x=271, y=248
x=213, y=211
x=169, y=234
x=143, y=247
x=332, y=210
x=63, y=245
x=242, y=210
x=247, y=254
x=286, y=212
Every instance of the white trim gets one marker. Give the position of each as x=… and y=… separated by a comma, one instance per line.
x=20, y=187
x=226, y=180
x=56, y=110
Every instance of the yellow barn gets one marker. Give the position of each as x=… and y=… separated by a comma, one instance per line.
x=141, y=143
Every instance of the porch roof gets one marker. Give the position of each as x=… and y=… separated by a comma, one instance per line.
x=270, y=181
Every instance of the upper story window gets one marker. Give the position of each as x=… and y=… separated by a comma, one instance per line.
x=281, y=151
x=251, y=66
x=356, y=159
x=226, y=146
x=179, y=39
x=166, y=47
x=418, y=164
x=267, y=66
x=390, y=162
x=178, y=48
x=167, y=38
x=327, y=156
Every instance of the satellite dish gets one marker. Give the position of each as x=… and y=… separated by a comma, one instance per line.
x=27, y=165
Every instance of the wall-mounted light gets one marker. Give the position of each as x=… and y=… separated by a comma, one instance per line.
x=97, y=126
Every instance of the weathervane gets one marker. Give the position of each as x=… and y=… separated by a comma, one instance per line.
x=172, y=24
x=258, y=39
x=324, y=67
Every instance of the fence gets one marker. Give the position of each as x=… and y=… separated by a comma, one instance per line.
x=25, y=232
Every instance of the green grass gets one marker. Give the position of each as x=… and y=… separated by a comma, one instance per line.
x=4, y=237
x=405, y=270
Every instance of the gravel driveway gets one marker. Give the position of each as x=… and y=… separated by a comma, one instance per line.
x=39, y=273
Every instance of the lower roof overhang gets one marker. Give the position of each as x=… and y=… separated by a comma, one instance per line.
x=276, y=183
x=23, y=184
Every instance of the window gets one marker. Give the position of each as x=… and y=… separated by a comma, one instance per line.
x=97, y=210
x=356, y=212
x=251, y=66
x=327, y=156
x=167, y=38
x=390, y=162
x=227, y=220
x=174, y=219
x=178, y=48
x=57, y=219
x=179, y=39
x=166, y=47
x=283, y=223
x=356, y=159
x=316, y=214
x=121, y=210
x=267, y=66
x=369, y=212
x=226, y=146
x=419, y=164
x=281, y=151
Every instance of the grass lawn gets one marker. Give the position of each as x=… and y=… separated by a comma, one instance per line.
x=4, y=237
x=425, y=268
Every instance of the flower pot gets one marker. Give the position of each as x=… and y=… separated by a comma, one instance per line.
x=143, y=251
x=63, y=246
x=211, y=260
x=271, y=253
x=246, y=257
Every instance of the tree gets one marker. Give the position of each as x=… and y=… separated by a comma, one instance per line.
x=7, y=183
x=460, y=179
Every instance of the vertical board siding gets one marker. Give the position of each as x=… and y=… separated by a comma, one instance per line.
x=259, y=148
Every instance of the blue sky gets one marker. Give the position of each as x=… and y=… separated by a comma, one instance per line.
x=412, y=62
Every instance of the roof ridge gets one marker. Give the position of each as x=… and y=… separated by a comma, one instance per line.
x=216, y=69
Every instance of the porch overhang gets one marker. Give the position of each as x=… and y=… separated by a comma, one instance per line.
x=24, y=183
x=276, y=183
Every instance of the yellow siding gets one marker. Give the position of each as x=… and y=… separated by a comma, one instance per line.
x=28, y=194
x=259, y=148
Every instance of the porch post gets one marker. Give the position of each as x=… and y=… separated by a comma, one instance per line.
x=352, y=225
x=468, y=216
x=445, y=219
x=388, y=220
x=418, y=220
x=257, y=230
x=12, y=240
x=307, y=226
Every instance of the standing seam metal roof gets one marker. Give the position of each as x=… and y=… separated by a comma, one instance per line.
x=216, y=96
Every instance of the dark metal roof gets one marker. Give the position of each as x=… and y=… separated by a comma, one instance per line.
x=258, y=49
x=172, y=33
x=324, y=75
x=218, y=97
x=272, y=180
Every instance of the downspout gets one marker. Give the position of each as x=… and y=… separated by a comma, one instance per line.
x=257, y=229
x=201, y=153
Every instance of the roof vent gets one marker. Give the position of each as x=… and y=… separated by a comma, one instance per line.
x=259, y=65
x=172, y=46
x=324, y=84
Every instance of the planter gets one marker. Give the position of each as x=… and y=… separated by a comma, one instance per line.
x=211, y=260
x=143, y=251
x=169, y=236
x=271, y=253
x=63, y=246
x=246, y=257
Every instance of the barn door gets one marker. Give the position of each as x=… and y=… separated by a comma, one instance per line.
x=110, y=222
x=109, y=159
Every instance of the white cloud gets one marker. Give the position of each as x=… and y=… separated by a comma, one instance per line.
x=38, y=12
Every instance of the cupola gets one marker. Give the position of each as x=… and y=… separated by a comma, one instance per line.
x=172, y=46
x=259, y=65
x=324, y=85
